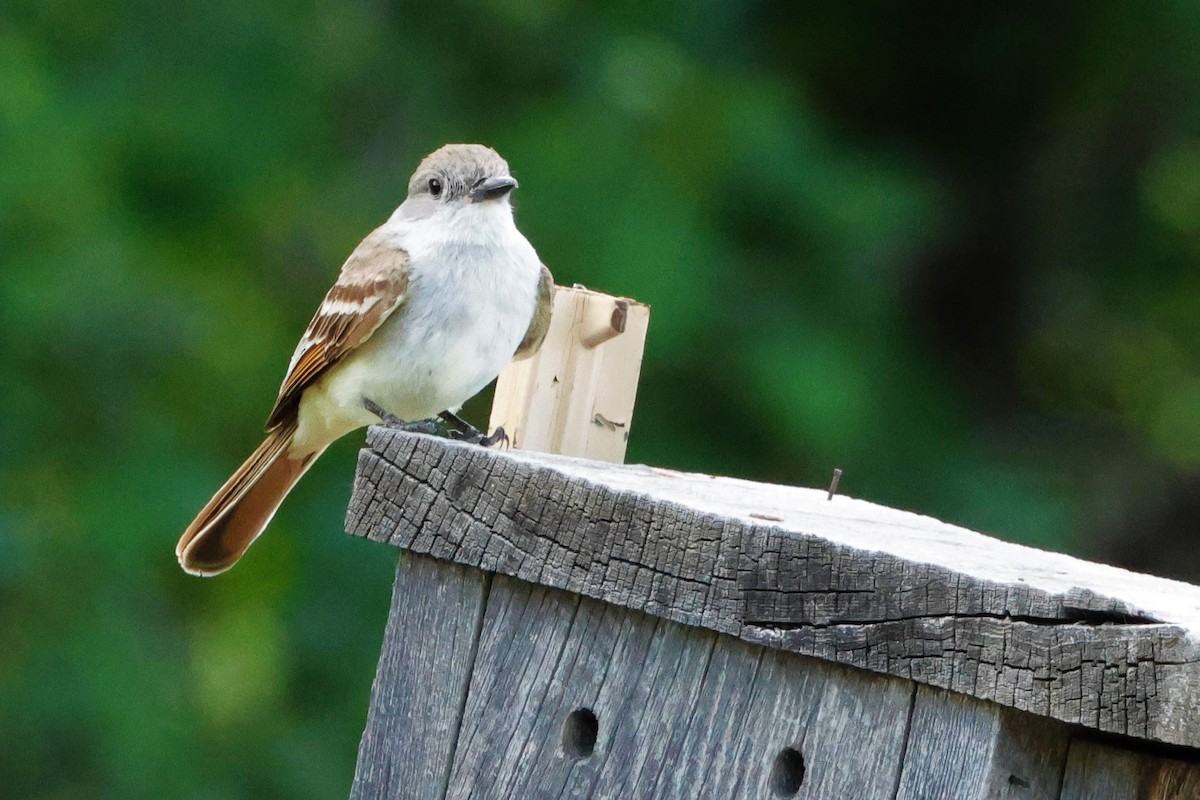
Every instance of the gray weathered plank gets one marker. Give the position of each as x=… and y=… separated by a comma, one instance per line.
x=1100, y=772
x=960, y=748
x=421, y=681
x=681, y=712
x=849, y=727
x=843, y=581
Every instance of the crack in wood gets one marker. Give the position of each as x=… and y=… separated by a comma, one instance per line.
x=1091, y=619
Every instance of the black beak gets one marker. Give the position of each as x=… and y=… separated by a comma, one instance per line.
x=492, y=188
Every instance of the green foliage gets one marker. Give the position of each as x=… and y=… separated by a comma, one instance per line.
x=951, y=251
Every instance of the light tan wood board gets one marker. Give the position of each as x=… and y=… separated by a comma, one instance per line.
x=575, y=396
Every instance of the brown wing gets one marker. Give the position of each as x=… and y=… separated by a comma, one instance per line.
x=541, y=317
x=370, y=287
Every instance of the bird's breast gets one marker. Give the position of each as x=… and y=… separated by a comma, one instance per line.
x=466, y=310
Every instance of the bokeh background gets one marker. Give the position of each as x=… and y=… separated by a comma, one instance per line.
x=950, y=248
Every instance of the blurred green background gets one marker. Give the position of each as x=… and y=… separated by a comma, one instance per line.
x=951, y=249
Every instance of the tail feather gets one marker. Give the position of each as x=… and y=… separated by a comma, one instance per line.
x=240, y=510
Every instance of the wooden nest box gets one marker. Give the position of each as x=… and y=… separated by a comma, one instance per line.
x=568, y=628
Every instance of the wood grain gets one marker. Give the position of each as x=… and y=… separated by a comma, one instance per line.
x=421, y=682
x=960, y=748
x=844, y=581
x=1101, y=772
x=682, y=712
x=575, y=395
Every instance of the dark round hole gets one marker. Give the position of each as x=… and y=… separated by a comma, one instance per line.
x=579, y=733
x=788, y=772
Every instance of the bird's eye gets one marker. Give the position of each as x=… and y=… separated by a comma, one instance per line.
x=435, y=187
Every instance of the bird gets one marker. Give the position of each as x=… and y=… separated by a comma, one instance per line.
x=426, y=312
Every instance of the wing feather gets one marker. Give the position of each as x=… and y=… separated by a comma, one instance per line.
x=541, y=317
x=371, y=285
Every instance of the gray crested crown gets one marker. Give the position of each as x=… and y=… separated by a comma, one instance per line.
x=459, y=168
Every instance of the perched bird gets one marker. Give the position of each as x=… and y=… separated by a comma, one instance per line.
x=426, y=312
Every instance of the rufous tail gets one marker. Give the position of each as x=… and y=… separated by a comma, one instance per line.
x=240, y=510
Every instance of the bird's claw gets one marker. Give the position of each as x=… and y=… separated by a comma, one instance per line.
x=498, y=438
x=429, y=427
x=463, y=431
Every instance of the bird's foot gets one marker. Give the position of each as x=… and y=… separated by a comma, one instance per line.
x=429, y=427
x=464, y=431
x=499, y=438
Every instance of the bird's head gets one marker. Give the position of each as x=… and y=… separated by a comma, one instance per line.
x=459, y=176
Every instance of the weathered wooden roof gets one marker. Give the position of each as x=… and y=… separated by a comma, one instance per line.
x=784, y=567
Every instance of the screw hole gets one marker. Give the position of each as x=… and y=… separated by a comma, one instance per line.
x=788, y=772
x=579, y=733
